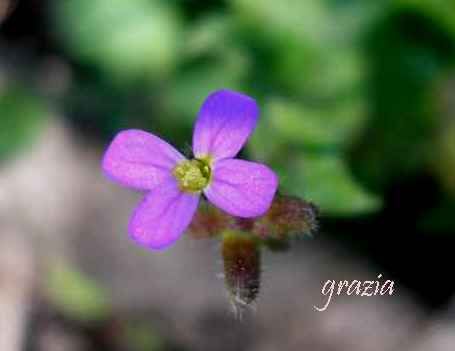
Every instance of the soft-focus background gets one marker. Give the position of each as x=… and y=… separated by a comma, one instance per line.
x=358, y=116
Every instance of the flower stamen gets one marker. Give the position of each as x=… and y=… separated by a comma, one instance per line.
x=193, y=175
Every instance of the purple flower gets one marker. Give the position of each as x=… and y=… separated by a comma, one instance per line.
x=142, y=161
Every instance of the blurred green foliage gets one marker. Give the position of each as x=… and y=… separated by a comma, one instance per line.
x=350, y=91
x=76, y=295
x=141, y=337
x=127, y=39
x=22, y=115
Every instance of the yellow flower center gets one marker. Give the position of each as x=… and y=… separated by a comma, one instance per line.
x=193, y=175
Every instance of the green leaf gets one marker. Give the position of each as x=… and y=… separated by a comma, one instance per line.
x=327, y=181
x=136, y=39
x=192, y=86
x=330, y=126
x=22, y=117
x=441, y=11
x=210, y=34
x=77, y=295
x=283, y=21
x=320, y=72
x=142, y=337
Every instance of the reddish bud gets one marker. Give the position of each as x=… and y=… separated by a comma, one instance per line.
x=242, y=267
x=288, y=217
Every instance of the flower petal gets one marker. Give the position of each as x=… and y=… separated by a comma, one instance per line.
x=225, y=122
x=242, y=188
x=163, y=216
x=139, y=159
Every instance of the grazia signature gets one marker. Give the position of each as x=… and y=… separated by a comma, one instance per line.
x=365, y=288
